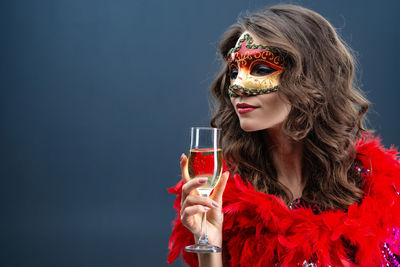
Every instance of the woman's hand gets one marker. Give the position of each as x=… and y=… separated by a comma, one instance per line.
x=193, y=205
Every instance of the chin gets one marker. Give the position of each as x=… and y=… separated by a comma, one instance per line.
x=249, y=127
x=253, y=126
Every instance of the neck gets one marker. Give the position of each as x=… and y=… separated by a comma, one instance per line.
x=287, y=156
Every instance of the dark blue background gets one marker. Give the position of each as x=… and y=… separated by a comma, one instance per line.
x=97, y=97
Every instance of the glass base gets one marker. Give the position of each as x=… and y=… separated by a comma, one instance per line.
x=203, y=249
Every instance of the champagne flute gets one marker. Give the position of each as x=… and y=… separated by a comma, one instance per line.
x=205, y=161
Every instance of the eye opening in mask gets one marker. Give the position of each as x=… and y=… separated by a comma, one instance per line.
x=233, y=72
x=262, y=69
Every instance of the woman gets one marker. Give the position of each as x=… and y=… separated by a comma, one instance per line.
x=308, y=187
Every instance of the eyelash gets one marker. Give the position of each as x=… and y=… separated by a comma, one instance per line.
x=257, y=70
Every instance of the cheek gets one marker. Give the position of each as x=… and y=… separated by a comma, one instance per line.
x=275, y=110
x=276, y=106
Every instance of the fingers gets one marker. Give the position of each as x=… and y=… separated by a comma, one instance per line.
x=184, y=168
x=188, y=187
x=219, y=189
x=197, y=200
x=190, y=211
x=192, y=206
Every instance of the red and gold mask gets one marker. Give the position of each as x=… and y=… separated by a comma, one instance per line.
x=254, y=69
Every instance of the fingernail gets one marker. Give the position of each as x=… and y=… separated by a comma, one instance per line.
x=215, y=204
x=206, y=208
x=182, y=156
x=203, y=180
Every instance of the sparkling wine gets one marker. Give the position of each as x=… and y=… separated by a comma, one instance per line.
x=205, y=163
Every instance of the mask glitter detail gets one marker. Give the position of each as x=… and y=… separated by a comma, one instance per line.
x=258, y=68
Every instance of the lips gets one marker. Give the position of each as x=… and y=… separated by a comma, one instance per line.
x=244, y=105
x=243, y=108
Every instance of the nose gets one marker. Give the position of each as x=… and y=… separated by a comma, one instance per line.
x=238, y=93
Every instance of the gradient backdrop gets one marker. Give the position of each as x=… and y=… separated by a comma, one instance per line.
x=97, y=97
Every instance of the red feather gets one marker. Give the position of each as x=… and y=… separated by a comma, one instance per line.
x=259, y=230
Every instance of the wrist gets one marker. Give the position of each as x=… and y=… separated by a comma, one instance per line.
x=210, y=259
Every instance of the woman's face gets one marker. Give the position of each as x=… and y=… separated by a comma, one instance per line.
x=258, y=108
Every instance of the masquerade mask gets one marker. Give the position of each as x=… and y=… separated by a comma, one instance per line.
x=253, y=69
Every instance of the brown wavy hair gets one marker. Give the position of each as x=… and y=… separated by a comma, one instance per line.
x=327, y=107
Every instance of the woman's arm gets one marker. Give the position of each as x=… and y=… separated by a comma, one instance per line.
x=210, y=259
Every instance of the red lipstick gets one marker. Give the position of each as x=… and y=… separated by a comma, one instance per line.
x=243, y=108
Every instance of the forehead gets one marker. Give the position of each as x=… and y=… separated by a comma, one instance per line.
x=249, y=49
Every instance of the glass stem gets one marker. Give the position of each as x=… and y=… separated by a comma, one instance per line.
x=203, y=240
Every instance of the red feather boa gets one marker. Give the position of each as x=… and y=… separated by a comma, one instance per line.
x=259, y=230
